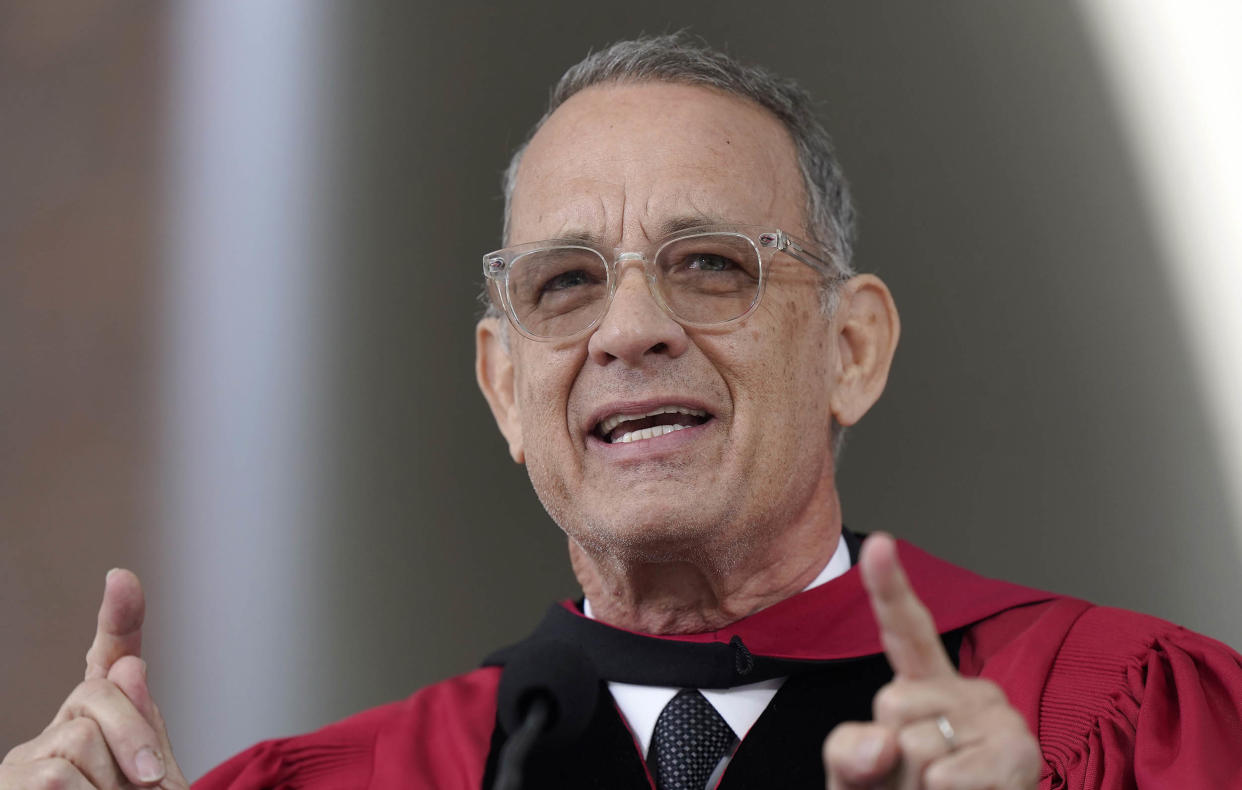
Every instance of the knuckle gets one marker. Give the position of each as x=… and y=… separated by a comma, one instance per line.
x=79, y=736
x=939, y=776
x=837, y=744
x=833, y=743
x=989, y=692
x=15, y=755
x=95, y=688
x=1031, y=767
x=1027, y=755
x=890, y=703
x=54, y=773
x=1030, y=771
x=89, y=697
x=908, y=740
x=916, y=747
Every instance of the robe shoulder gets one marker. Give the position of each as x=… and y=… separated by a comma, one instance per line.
x=437, y=738
x=1116, y=699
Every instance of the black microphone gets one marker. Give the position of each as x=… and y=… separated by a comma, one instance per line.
x=547, y=695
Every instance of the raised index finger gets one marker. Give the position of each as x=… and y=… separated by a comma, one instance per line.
x=907, y=631
x=119, y=629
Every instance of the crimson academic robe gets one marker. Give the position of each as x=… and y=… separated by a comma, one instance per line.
x=1116, y=699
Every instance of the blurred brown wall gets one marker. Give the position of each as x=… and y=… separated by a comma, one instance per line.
x=79, y=125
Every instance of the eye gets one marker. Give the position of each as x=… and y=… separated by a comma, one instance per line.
x=566, y=280
x=706, y=262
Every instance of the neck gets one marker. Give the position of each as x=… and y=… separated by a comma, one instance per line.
x=706, y=590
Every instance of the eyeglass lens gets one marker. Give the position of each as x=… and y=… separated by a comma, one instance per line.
x=709, y=278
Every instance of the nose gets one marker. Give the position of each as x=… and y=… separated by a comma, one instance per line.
x=634, y=328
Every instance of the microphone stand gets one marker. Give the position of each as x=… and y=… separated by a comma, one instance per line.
x=517, y=747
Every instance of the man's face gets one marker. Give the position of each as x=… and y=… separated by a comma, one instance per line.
x=619, y=164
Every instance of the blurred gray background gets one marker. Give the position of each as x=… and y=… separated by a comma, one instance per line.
x=238, y=264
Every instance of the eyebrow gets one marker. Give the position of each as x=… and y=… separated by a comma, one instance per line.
x=688, y=222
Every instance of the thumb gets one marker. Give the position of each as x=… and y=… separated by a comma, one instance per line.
x=118, y=631
x=129, y=674
x=860, y=756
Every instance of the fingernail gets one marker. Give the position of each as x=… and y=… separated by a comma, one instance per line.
x=150, y=766
x=868, y=752
x=109, y=574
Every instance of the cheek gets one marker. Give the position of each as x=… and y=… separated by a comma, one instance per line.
x=536, y=398
x=543, y=383
x=783, y=347
x=781, y=373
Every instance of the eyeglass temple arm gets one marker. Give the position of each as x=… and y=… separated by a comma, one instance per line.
x=791, y=247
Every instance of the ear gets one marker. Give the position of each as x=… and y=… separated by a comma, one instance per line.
x=867, y=328
x=494, y=368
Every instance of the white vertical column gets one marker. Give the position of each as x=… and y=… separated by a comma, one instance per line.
x=234, y=597
x=1176, y=68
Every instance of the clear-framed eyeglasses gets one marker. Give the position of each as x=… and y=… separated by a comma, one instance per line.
x=703, y=277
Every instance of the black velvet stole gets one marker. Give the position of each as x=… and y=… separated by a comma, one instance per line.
x=783, y=749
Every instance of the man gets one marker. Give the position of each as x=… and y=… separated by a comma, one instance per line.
x=676, y=344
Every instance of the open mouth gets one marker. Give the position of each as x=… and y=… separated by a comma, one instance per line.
x=625, y=428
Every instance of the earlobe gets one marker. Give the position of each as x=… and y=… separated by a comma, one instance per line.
x=493, y=367
x=867, y=329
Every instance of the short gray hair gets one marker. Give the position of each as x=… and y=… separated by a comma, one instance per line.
x=677, y=58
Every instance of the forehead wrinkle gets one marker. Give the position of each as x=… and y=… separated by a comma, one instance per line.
x=662, y=216
x=771, y=209
x=657, y=185
x=579, y=220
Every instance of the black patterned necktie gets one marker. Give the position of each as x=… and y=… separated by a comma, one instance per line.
x=690, y=739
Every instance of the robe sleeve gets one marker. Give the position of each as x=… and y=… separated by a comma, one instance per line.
x=340, y=756
x=438, y=738
x=1135, y=702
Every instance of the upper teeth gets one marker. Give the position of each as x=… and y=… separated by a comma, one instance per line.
x=647, y=433
x=606, y=426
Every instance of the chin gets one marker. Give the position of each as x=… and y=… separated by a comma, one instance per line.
x=652, y=538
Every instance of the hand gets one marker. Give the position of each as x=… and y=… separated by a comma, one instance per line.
x=932, y=727
x=109, y=732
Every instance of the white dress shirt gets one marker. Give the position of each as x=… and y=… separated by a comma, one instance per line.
x=739, y=706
